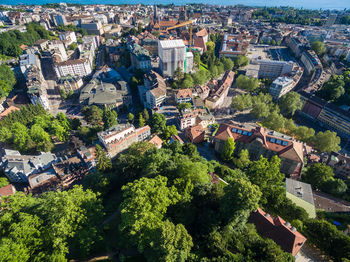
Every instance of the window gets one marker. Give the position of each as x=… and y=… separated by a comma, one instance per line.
x=278, y=141
x=245, y=133
x=234, y=130
x=239, y=131
x=284, y=143
x=250, y=134
x=272, y=140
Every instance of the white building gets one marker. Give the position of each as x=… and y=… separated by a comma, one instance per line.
x=77, y=67
x=155, y=97
x=272, y=68
x=280, y=87
x=68, y=36
x=59, y=49
x=173, y=55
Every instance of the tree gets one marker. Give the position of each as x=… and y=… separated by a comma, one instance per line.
x=266, y=174
x=336, y=187
x=241, y=61
x=274, y=121
x=213, y=71
x=228, y=150
x=187, y=82
x=304, y=133
x=200, y=77
x=333, y=89
x=178, y=74
x=133, y=83
x=243, y=160
x=260, y=109
x=317, y=175
x=7, y=80
x=183, y=106
x=145, y=115
x=104, y=163
x=169, y=131
x=196, y=172
x=196, y=59
x=131, y=118
x=58, y=130
x=109, y=118
x=141, y=121
x=242, y=102
x=41, y=138
x=290, y=103
x=318, y=47
x=20, y=136
x=228, y=63
x=93, y=115
x=158, y=123
x=327, y=141
x=3, y=182
x=247, y=83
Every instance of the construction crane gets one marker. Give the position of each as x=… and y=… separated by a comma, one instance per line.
x=190, y=22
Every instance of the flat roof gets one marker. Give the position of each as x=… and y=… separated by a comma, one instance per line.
x=171, y=43
x=300, y=190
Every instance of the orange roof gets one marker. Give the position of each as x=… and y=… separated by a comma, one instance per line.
x=8, y=111
x=23, y=47
x=202, y=33
x=156, y=141
x=184, y=93
x=7, y=190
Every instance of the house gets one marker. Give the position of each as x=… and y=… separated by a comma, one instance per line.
x=195, y=134
x=200, y=39
x=155, y=140
x=88, y=155
x=201, y=91
x=280, y=231
x=262, y=142
x=184, y=96
x=217, y=97
x=153, y=92
x=7, y=190
x=121, y=137
x=174, y=138
x=18, y=168
x=301, y=195
x=196, y=116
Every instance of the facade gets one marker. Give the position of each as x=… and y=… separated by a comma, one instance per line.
x=68, y=36
x=273, y=69
x=233, y=45
x=77, y=67
x=192, y=117
x=93, y=27
x=121, y=137
x=301, y=194
x=153, y=92
x=310, y=61
x=195, y=134
x=217, y=97
x=60, y=20
x=340, y=164
x=261, y=142
x=280, y=87
x=140, y=58
x=183, y=96
x=280, y=231
x=18, y=168
x=172, y=54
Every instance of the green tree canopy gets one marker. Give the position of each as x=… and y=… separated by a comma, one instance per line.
x=318, y=174
x=158, y=123
x=247, y=83
x=327, y=141
x=228, y=150
x=290, y=103
x=318, y=47
x=241, y=61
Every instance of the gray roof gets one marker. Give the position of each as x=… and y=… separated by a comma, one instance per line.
x=100, y=93
x=300, y=189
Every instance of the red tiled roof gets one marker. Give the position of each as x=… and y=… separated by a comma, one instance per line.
x=8, y=111
x=202, y=32
x=156, y=141
x=184, y=93
x=278, y=230
x=7, y=190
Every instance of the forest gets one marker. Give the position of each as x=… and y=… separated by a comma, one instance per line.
x=160, y=205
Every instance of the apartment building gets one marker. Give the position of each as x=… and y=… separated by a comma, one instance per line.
x=173, y=55
x=193, y=117
x=140, y=58
x=262, y=142
x=217, y=96
x=93, y=27
x=234, y=45
x=77, y=67
x=280, y=87
x=310, y=61
x=60, y=20
x=19, y=167
x=183, y=96
x=273, y=69
x=121, y=137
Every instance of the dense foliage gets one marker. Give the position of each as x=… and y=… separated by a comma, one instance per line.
x=7, y=80
x=11, y=41
x=32, y=128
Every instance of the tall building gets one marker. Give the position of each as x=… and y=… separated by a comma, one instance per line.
x=60, y=20
x=331, y=20
x=173, y=55
x=77, y=67
x=272, y=68
x=280, y=87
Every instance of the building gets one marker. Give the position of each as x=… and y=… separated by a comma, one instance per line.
x=262, y=142
x=140, y=58
x=88, y=155
x=69, y=83
x=272, y=68
x=340, y=164
x=173, y=55
x=104, y=94
x=233, y=45
x=93, y=27
x=331, y=20
x=192, y=117
x=218, y=95
x=119, y=138
x=18, y=168
x=157, y=141
x=301, y=195
x=281, y=86
x=280, y=231
x=195, y=134
x=153, y=92
x=175, y=138
x=60, y=20
x=200, y=39
x=77, y=67
x=7, y=191
x=310, y=61
x=68, y=36
x=183, y=96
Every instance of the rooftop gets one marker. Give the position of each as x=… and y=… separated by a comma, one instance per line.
x=171, y=43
